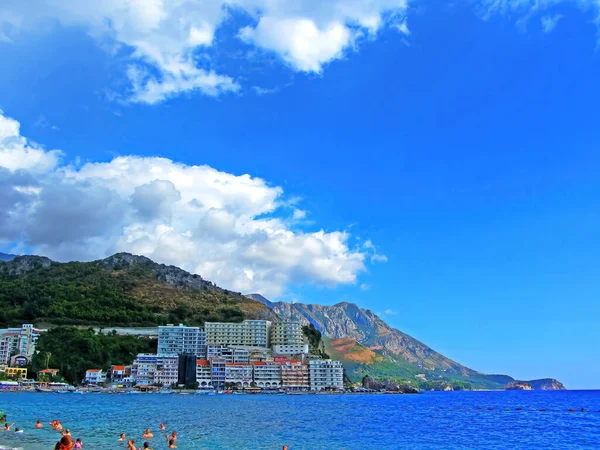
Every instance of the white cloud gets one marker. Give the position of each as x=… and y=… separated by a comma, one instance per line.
x=164, y=37
x=220, y=225
x=374, y=256
x=389, y=312
x=299, y=214
x=16, y=153
x=525, y=9
x=549, y=22
x=365, y=287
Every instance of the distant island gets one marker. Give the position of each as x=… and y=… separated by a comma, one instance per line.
x=126, y=291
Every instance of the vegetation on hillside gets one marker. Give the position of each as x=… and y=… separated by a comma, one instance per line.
x=73, y=351
x=315, y=341
x=95, y=294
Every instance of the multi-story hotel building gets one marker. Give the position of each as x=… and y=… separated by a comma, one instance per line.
x=166, y=372
x=294, y=375
x=18, y=341
x=217, y=367
x=238, y=374
x=286, y=332
x=174, y=340
x=325, y=374
x=267, y=374
x=249, y=333
x=144, y=367
x=203, y=373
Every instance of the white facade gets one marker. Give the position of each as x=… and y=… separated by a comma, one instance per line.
x=203, y=373
x=18, y=341
x=290, y=349
x=267, y=374
x=325, y=374
x=167, y=370
x=239, y=374
x=174, y=340
x=231, y=354
x=144, y=368
x=249, y=333
x=94, y=376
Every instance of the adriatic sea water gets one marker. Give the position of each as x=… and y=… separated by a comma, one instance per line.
x=444, y=420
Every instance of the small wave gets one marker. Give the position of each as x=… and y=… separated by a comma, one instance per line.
x=10, y=448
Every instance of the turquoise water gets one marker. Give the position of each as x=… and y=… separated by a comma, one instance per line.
x=429, y=421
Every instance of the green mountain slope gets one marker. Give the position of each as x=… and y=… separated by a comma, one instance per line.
x=120, y=290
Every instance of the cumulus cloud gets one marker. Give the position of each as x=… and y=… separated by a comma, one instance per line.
x=224, y=227
x=389, y=312
x=17, y=153
x=165, y=37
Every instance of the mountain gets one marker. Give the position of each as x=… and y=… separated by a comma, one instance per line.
x=260, y=298
x=6, y=257
x=122, y=289
x=369, y=346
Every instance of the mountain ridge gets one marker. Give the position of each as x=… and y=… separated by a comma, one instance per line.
x=122, y=289
x=367, y=345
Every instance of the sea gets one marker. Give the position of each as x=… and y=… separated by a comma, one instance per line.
x=436, y=420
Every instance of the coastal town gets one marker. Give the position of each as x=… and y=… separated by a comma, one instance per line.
x=252, y=356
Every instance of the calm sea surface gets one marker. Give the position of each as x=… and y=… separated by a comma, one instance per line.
x=429, y=421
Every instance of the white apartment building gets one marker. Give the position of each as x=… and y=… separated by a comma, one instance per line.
x=290, y=349
x=325, y=374
x=231, y=354
x=94, y=376
x=238, y=374
x=217, y=367
x=287, y=332
x=144, y=367
x=294, y=375
x=167, y=370
x=267, y=374
x=249, y=333
x=18, y=341
x=203, y=373
x=174, y=340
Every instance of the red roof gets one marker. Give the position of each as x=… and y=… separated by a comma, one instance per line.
x=118, y=368
x=94, y=370
x=48, y=371
x=258, y=363
x=202, y=362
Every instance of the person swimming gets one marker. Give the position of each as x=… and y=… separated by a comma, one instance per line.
x=67, y=432
x=7, y=427
x=162, y=427
x=56, y=425
x=147, y=434
x=131, y=445
x=171, y=442
x=78, y=443
x=147, y=446
x=17, y=430
x=38, y=424
x=122, y=437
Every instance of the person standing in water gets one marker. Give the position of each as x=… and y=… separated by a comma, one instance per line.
x=147, y=434
x=122, y=437
x=172, y=440
x=131, y=444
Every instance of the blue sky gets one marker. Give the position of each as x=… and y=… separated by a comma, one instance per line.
x=438, y=166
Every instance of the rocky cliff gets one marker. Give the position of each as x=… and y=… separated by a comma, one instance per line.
x=347, y=320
